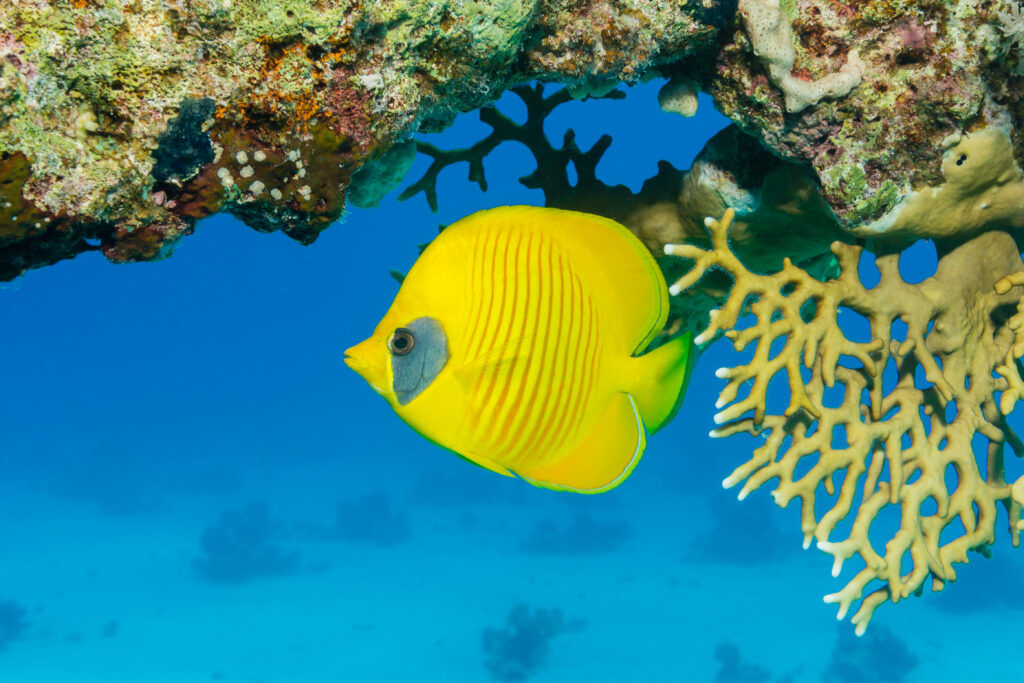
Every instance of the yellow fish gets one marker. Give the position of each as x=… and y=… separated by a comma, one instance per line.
x=514, y=342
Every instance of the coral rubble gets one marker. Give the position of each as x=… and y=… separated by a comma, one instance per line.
x=892, y=420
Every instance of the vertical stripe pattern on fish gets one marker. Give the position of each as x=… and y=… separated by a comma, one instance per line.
x=514, y=341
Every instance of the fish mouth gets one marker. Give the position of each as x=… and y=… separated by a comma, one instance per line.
x=359, y=358
x=363, y=361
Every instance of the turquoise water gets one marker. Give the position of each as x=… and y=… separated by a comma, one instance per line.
x=193, y=487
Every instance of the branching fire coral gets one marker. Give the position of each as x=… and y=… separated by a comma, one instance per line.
x=903, y=446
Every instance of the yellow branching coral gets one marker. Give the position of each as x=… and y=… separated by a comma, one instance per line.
x=902, y=445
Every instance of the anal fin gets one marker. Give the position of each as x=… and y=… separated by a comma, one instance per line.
x=604, y=457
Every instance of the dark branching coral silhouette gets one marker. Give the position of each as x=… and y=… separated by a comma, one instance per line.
x=996, y=587
x=13, y=622
x=516, y=651
x=242, y=545
x=881, y=655
x=733, y=668
x=551, y=175
x=732, y=169
x=371, y=520
x=738, y=535
x=584, y=535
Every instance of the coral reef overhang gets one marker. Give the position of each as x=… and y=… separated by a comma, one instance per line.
x=121, y=124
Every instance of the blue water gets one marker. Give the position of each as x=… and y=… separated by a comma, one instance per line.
x=193, y=487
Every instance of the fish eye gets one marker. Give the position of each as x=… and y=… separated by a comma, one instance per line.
x=401, y=341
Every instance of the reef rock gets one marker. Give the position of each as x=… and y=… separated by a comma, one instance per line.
x=889, y=102
x=122, y=123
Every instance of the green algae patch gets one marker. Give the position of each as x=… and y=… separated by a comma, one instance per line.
x=881, y=199
x=846, y=183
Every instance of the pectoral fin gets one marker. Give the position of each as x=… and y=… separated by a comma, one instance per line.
x=605, y=456
x=498, y=359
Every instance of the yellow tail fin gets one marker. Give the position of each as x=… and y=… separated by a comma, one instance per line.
x=658, y=380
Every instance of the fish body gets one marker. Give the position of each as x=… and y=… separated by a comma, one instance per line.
x=513, y=342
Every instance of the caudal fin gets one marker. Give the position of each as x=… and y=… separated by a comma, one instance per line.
x=659, y=380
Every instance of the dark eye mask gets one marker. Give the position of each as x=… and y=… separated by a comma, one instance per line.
x=414, y=371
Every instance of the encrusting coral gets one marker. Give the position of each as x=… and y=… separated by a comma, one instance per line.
x=772, y=40
x=902, y=443
x=123, y=123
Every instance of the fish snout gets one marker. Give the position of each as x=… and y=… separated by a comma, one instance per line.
x=369, y=365
x=356, y=357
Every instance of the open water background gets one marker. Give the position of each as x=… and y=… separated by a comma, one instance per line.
x=141, y=404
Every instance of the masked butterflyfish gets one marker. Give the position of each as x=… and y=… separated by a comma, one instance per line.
x=516, y=340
